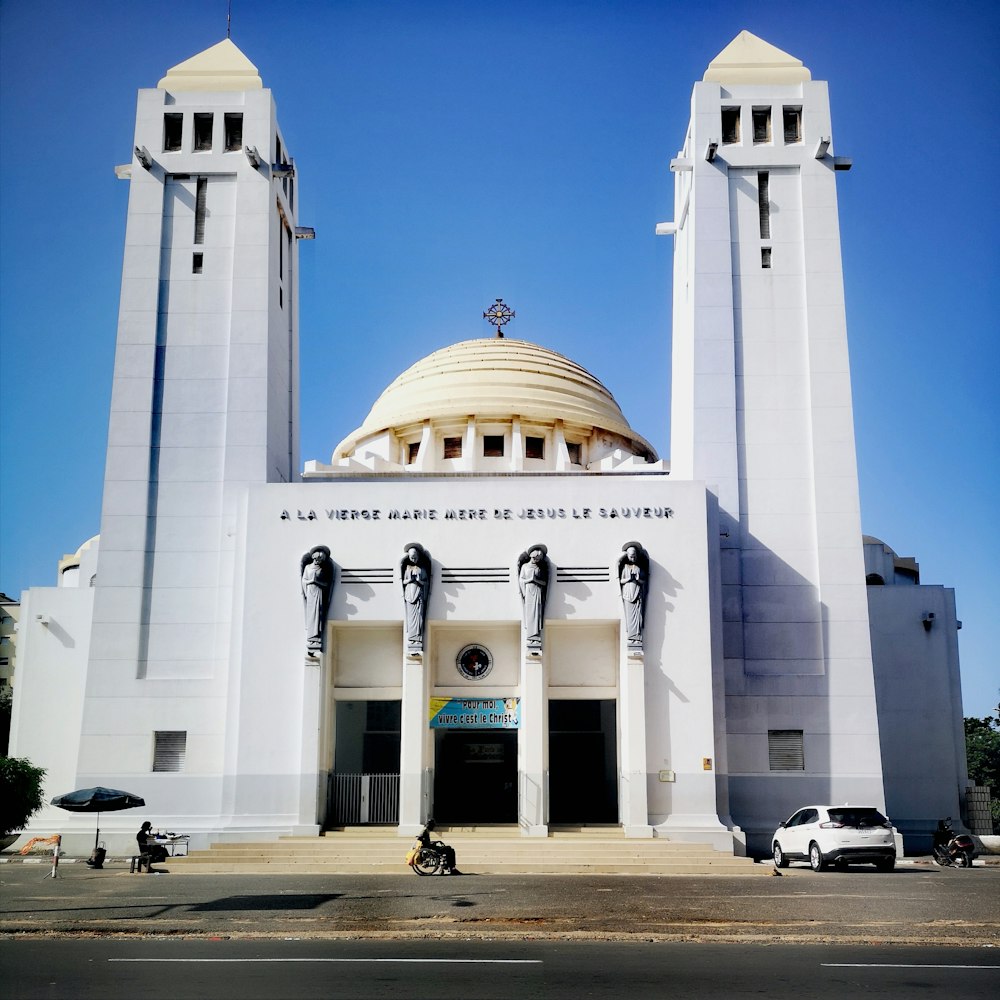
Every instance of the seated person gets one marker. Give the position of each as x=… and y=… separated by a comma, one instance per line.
x=448, y=853
x=148, y=846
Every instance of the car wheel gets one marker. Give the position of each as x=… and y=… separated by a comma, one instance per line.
x=885, y=864
x=780, y=861
x=816, y=861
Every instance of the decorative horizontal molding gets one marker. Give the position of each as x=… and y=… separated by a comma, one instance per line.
x=583, y=574
x=475, y=574
x=365, y=574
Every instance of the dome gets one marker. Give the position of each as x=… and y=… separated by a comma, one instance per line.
x=496, y=378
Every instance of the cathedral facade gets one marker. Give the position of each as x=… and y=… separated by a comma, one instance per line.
x=495, y=604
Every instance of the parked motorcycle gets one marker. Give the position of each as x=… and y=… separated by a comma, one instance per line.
x=952, y=848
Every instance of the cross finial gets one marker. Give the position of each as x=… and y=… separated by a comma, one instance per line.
x=499, y=315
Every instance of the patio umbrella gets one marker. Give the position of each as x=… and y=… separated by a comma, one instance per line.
x=97, y=800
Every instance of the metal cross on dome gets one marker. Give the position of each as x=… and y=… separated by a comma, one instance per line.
x=499, y=315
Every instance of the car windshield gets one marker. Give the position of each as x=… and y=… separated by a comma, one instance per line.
x=858, y=817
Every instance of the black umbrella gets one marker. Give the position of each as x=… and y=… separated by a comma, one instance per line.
x=97, y=800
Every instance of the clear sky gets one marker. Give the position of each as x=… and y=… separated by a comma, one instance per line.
x=453, y=152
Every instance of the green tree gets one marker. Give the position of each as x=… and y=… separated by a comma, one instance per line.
x=20, y=792
x=982, y=752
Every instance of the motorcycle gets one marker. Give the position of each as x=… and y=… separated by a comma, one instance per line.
x=951, y=848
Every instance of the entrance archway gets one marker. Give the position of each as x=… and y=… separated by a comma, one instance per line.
x=475, y=776
x=583, y=761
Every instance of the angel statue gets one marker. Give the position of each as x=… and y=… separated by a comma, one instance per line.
x=533, y=582
x=633, y=577
x=317, y=589
x=415, y=574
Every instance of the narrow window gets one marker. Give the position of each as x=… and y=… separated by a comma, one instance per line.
x=785, y=751
x=730, y=125
x=197, y=262
x=764, y=204
x=493, y=446
x=412, y=451
x=277, y=149
x=761, y=125
x=573, y=451
x=453, y=447
x=534, y=447
x=281, y=251
x=281, y=297
x=234, y=132
x=173, y=127
x=169, y=749
x=200, y=209
x=765, y=257
x=792, y=124
x=203, y=132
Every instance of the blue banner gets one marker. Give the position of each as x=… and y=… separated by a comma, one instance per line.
x=475, y=713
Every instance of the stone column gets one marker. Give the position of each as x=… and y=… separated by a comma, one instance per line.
x=413, y=740
x=532, y=776
x=634, y=814
x=309, y=770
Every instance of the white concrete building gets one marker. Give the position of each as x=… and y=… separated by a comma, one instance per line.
x=699, y=687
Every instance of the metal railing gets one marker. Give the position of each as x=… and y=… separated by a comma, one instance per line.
x=359, y=799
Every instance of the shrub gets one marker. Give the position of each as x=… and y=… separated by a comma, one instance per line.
x=20, y=793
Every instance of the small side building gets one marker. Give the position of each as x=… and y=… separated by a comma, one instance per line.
x=914, y=634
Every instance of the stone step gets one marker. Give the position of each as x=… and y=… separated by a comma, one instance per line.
x=360, y=850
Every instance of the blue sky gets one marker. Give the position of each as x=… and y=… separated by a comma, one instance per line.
x=450, y=153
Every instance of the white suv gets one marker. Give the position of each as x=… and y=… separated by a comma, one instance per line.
x=835, y=834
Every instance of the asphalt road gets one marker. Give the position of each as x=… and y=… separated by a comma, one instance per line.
x=463, y=970
x=909, y=906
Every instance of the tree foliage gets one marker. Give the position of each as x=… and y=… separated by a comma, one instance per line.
x=20, y=792
x=982, y=750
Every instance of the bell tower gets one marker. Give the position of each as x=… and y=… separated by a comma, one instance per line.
x=761, y=412
x=205, y=392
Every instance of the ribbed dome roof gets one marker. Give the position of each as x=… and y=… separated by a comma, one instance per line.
x=495, y=378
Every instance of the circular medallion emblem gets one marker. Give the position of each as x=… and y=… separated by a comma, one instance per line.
x=474, y=662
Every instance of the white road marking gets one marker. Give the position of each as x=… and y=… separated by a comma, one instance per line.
x=412, y=961
x=887, y=965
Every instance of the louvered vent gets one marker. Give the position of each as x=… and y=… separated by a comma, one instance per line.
x=475, y=574
x=169, y=750
x=764, y=203
x=785, y=750
x=200, y=209
x=365, y=574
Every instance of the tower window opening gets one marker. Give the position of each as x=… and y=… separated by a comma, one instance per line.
x=573, y=451
x=277, y=149
x=764, y=203
x=412, y=451
x=792, y=124
x=173, y=129
x=493, y=446
x=234, y=132
x=197, y=263
x=281, y=298
x=761, y=125
x=203, y=131
x=765, y=257
x=730, y=125
x=452, y=447
x=200, y=209
x=534, y=447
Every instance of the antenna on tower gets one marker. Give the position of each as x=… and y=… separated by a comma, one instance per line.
x=229, y=19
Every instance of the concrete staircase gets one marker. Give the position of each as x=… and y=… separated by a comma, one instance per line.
x=498, y=850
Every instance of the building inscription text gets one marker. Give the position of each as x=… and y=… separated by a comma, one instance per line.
x=479, y=514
